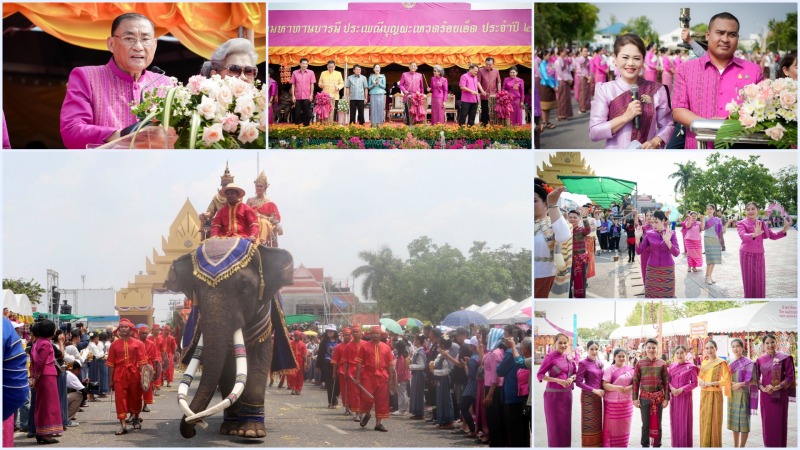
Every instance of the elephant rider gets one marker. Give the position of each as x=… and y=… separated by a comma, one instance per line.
x=217, y=202
x=376, y=373
x=300, y=352
x=125, y=357
x=235, y=218
x=337, y=359
x=158, y=343
x=152, y=358
x=169, y=348
x=269, y=218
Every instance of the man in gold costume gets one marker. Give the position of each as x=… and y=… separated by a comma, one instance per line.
x=217, y=202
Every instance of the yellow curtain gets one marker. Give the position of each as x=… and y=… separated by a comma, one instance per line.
x=504, y=57
x=201, y=27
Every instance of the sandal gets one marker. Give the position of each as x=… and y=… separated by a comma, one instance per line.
x=549, y=125
x=380, y=427
x=121, y=431
x=137, y=424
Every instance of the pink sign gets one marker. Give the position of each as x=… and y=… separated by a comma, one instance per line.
x=419, y=25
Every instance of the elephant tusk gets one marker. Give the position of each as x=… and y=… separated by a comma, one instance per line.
x=188, y=377
x=241, y=380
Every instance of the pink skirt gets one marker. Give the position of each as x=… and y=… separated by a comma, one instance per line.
x=437, y=110
x=617, y=418
x=694, y=252
x=754, y=274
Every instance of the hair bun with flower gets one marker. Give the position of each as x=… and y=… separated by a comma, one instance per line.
x=547, y=188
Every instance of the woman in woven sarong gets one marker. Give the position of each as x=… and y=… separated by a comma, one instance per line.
x=580, y=258
x=682, y=380
x=776, y=381
x=753, y=232
x=590, y=381
x=47, y=409
x=614, y=107
x=591, y=245
x=550, y=230
x=559, y=373
x=744, y=394
x=659, y=280
x=712, y=234
x=692, y=242
x=714, y=380
x=647, y=225
x=564, y=77
x=617, y=403
x=547, y=88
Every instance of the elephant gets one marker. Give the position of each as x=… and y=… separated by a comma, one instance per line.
x=227, y=311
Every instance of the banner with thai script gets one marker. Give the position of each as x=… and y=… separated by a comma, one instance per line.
x=400, y=28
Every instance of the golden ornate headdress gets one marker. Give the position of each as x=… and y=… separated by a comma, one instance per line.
x=226, y=177
x=262, y=178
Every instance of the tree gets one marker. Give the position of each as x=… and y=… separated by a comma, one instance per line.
x=31, y=288
x=786, y=188
x=729, y=182
x=379, y=271
x=683, y=176
x=642, y=26
x=783, y=34
x=671, y=312
x=612, y=20
x=561, y=23
x=693, y=308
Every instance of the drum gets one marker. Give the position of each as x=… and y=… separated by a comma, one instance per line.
x=492, y=114
x=147, y=376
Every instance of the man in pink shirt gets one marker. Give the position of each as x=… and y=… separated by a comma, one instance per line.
x=410, y=83
x=705, y=85
x=303, y=81
x=489, y=79
x=470, y=89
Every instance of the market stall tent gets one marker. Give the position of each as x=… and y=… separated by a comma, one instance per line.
x=512, y=315
x=10, y=301
x=499, y=308
x=25, y=309
x=486, y=307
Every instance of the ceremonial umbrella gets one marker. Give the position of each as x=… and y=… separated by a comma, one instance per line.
x=392, y=326
x=410, y=322
x=464, y=318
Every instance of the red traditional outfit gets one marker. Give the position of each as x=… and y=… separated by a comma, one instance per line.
x=338, y=361
x=169, y=347
x=158, y=343
x=239, y=220
x=126, y=356
x=299, y=350
x=152, y=357
x=375, y=358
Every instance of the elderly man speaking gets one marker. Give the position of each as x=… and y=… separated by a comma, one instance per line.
x=97, y=105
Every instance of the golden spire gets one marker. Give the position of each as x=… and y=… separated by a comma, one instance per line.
x=262, y=178
x=226, y=177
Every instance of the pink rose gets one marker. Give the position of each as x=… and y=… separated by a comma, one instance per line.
x=788, y=99
x=778, y=85
x=224, y=96
x=248, y=132
x=262, y=123
x=776, y=132
x=207, y=107
x=245, y=106
x=765, y=94
x=194, y=83
x=238, y=87
x=212, y=134
x=747, y=120
x=230, y=122
x=751, y=91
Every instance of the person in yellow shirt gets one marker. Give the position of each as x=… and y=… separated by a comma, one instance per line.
x=331, y=81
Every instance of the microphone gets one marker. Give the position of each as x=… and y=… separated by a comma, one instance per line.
x=635, y=94
x=130, y=129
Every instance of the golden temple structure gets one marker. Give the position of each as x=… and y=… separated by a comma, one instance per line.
x=563, y=163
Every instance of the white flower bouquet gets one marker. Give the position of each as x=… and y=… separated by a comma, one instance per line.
x=210, y=112
x=769, y=107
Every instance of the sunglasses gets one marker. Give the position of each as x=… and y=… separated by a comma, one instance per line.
x=236, y=70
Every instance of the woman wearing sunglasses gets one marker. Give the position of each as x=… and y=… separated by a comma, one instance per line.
x=234, y=58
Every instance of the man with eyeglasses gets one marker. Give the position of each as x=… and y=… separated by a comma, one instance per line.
x=97, y=104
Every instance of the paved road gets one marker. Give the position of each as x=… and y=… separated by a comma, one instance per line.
x=292, y=421
x=755, y=439
x=620, y=279
x=574, y=133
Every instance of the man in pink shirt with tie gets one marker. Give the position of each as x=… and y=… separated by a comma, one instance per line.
x=410, y=83
x=705, y=85
x=303, y=81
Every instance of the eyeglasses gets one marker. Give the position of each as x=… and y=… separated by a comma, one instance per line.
x=130, y=41
x=236, y=70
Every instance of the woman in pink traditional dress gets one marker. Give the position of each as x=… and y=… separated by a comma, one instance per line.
x=516, y=87
x=580, y=258
x=693, y=242
x=776, y=381
x=743, y=401
x=669, y=69
x=651, y=63
x=646, y=226
x=614, y=109
x=590, y=380
x=617, y=403
x=682, y=380
x=753, y=232
x=659, y=279
x=272, y=92
x=269, y=218
x=46, y=411
x=438, y=90
x=559, y=373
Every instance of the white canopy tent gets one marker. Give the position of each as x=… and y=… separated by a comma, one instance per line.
x=486, y=307
x=472, y=307
x=10, y=301
x=512, y=315
x=25, y=307
x=500, y=308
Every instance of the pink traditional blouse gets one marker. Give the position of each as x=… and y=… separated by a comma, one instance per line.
x=747, y=227
x=618, y=377
x=600, y=120
x=515, y=87
x=439, y=87
x=692, y=232
x=98, y=102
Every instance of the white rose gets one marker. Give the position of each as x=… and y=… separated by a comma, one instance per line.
x=245, y=107
x=207, y=107
x=262, y=123
x=248, y=132
x=224, y=96
x=788, y=99
x=212, y=134
x=776, y=132
x=239, y=87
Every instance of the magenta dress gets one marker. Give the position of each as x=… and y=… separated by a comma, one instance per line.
x=617, y=407
x=682, y=376
x=272, y=93
x=666, y=75
x=438, y=98
x=645, y=252
x=659, y=278
x=557, y=399
x=590, y=376
x=775, y=406
x=515, y=87
x=661, y=124
x=651, y=66
x=47, y=412
x=693, y=243
x=751, y=257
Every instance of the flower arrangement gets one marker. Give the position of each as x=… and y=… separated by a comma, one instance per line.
x=322, y=105
x=418, y=106
x=503, y=106
x=353, y=142
x=428, y=133
x=210, y=112
x=769, y=107
x=409, y=142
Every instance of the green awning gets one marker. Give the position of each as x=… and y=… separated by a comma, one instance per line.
x=602, y=190
x=301, y=318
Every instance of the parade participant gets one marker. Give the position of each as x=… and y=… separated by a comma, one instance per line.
x=376, y=373
x=77, y=393
x=355, y=89
x=582, y=84
x=153, y=358
x=105, y=344
x=470, y=88
x=350, y=367
x=692, y=241
x=651, y=393
x=559, y=373
x=489, y=80
x=669, y=69
x=441, y=368
x=417, y=394
x=235, y=218
x=218, y=201
x=586, y=214
x=377, y=96
x=272, y=92
x=325, y=365
x=590, y=380
x=714, y=379
x=776, y=381
x=300, y=352
x=580, y=256
x=564, y=78
x=269, y=218
x=410, y=83
x=630, y=233
x=438, y=90
x=125, y=357
x=617, y=403
x=712, y=235
x=682, y=380
x=599, y=69
x=547, y=90
x=95, y=360
x=787, y=68
x=331, y=82
x=659, y=278
x=158, y=367
x=753, y=232
x=650, y=64
x=550, y=232
x=169, y=348
x=97, y=104
x=621, y=119
x=515, y=86
x=723, y=74
x=15, y=383
x=302, y=81
x=744, y=394
x=337, y=359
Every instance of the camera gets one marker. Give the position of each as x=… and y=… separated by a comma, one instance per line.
x=94, y=385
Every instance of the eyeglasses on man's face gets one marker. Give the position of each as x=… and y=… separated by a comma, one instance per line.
x=130, y=41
